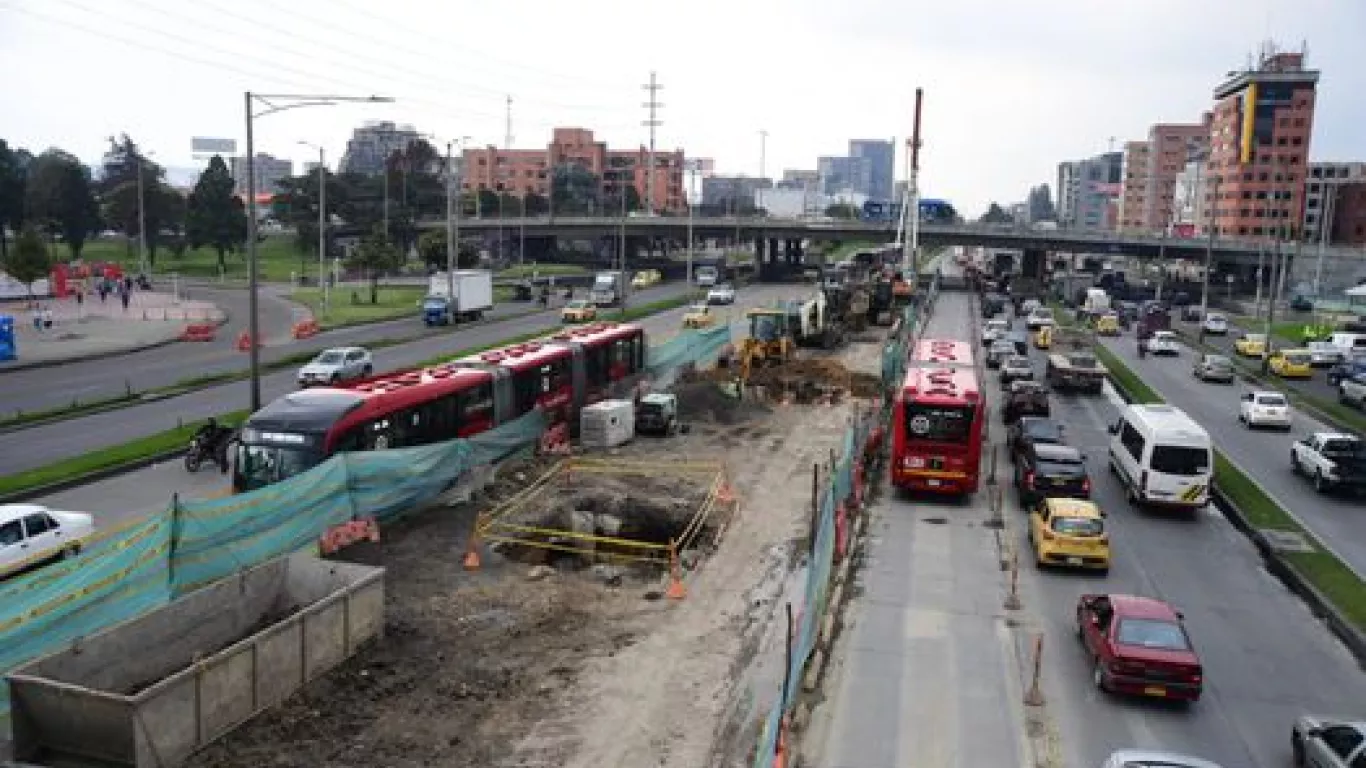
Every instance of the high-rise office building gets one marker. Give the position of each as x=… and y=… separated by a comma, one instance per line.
x=1263, y=120
x=1086, y=191
x=875, y=164
x=371, y=143
x=270, y=171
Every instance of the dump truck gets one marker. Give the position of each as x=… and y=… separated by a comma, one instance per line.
x=1073, y=364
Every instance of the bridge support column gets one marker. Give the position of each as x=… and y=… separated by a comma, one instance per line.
x=1032, y=264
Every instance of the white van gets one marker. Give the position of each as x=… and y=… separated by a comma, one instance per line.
x=1349, y=344
x=1162, y=456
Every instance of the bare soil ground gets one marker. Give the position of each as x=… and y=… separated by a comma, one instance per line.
x=518, y=665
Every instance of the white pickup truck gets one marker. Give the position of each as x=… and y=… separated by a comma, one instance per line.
x=1331, y=460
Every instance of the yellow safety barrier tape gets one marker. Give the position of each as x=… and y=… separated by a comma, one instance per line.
x=60, y=570
x=577, y=550
x=562, y=534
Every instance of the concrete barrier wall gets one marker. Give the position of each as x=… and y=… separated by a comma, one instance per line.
x=151, y=691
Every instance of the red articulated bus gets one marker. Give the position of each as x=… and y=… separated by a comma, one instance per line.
x=943, y=353
x=462, y=398
x=938, y=427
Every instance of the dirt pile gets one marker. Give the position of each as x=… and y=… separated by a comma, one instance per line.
x=825, y=373
x=701, y=398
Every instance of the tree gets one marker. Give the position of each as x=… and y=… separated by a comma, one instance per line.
x=215, y=217
x=431, y=246
x=842, y=211
x=118, y=189
x=536, y=204
x=59, y=198
x=574, y=189
x=996, y=215
x=13, y=171
x=374, y=256
x=611, y=204
x=29, y=260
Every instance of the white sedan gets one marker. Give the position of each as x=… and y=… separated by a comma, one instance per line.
x=721, y=294
x=32, y=535
x=333, y=366
x=1215, y=324
x=1264, y=409
x=1163, y=343
x=1324, y=354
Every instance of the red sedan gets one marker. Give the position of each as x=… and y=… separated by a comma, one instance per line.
x=1139, y=646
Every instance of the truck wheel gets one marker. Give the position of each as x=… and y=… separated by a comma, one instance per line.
x=1320, y=485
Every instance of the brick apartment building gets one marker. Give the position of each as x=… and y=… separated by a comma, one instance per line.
x=1148, y=201
x=522, y=171
x=1263, y=120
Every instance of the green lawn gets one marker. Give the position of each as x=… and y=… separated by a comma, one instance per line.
x=543, y=270
x=279, y=260
x=351, y=305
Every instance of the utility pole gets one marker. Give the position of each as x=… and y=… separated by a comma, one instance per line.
x=910, y=247
x=763, y=168
x=1327, y=211
x=142, y=219
x=653, y=87
x=450, y=233
x=1209, y=253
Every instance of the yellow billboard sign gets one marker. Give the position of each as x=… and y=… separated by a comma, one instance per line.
x=1249, y=123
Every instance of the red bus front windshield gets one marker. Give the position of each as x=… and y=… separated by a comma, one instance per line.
x=939, y=423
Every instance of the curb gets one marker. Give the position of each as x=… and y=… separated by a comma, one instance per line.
x=1282, y=569
x=85, y=478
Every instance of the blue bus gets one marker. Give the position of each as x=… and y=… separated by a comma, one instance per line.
x=931, y=211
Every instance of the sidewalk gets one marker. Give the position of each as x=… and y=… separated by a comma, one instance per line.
x=98, y=329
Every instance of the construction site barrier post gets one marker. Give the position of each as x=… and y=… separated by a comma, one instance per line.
x=1034, y=696
x=472, y=561
x=1013, y=596
x=677, y=590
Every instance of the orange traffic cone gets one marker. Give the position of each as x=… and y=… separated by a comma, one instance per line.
x=677, y=589
x=725, y=494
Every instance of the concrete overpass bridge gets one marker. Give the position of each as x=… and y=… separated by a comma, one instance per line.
x=776, y=237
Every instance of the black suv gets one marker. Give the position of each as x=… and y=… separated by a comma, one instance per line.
x=1028, y=431
x=1050, y=471
x=1026, y=398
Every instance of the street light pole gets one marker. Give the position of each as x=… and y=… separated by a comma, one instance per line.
x=273, y=103
x=1209, y=254
x=322, y=224
x=142, y=221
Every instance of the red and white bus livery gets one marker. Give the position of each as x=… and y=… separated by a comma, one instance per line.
x=462, y=398
x=938, y=427
x=944, y=353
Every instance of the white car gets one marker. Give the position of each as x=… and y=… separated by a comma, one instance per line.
x=1039, y=317
x=32, y=535
x=333, y=366
x=1264, y=409
x=1215, y=324
x=1154, y=758
x=1323, y=354
x=721, y=294
x=1163, y=343
x=993, y=330
x=706, y=277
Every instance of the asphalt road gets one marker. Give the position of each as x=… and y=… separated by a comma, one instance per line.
x=1317, y=386
x=1266, y=658
x=1262, y=455
x=41, y=445
x=924, y=672
x=31, y=389
x=150, y=489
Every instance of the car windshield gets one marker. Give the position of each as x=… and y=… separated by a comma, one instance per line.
x=948, y=424
x=696, y=308
x=1041, y=430
x=1180, y=460
x=1077, y=526
x=1255, y=338
x=1017, y=361
x=576, y=304
x=1271, y=400
x=330, y=357
x=1061, y=468
x=1152, y=633
x=1218, y=361
x=1297, y=358
x=1164, y=336
x=1344, y=449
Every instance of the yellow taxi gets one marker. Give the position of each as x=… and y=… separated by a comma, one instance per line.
x=1069, y=532
x=646, y=278
x=1251, y=345
x=1107, y=325
x=1292, y=364
x=1043, y=338
x=699, y=315
x=579, y=311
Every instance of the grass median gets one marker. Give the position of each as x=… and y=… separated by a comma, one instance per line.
x=142, y=449
x=1322, y=569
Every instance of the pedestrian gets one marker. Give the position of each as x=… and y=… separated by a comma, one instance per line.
x=125, y=296
x=47, y=319
x=37, y=317
x=80, y=297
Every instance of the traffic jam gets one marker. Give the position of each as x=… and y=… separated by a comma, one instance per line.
x=1170, y=642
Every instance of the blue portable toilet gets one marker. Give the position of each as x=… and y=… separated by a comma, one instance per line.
x=9, y=347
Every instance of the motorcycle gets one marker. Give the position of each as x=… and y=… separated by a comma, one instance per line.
x=202, y=450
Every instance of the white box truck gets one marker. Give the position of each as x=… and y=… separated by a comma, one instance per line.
x=608, y=289
x=473, y=296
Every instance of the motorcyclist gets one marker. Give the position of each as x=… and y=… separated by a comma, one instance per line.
x=213, y=439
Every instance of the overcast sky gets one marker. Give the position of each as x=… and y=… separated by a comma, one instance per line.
x=1011, y=88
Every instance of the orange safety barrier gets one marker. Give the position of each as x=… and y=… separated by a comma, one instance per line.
x=341, y=536
x=677, y=590
x=305, y=329
x=199, y=332
x=244, y=341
